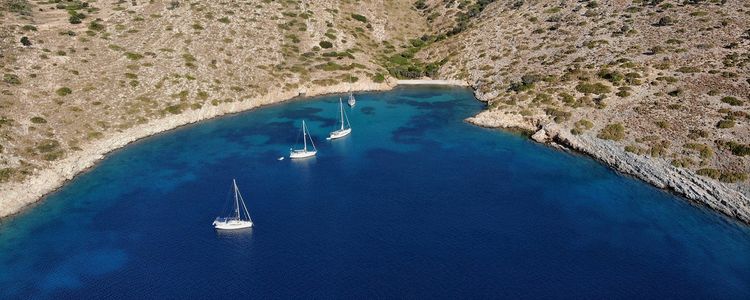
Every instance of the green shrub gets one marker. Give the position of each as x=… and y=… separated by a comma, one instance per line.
x=224, y=20
x=47, y=145
x=722, y=176
x=11, y=79
x=726, y=123
x=96, y=26
x=64, y=91
x=705, y=151
x=175, y=109
x=360, y=18
x=5, y=174
x=133, y=55
x=559, y=116
x=688, y=70
x=611, y=76
x=76, y=18
x=665, y=21
x=378, y=78
x=581, y=126
x=635, y=149
x=593, y=88
x=732, y=177
x=325, y=44
x=614, y=132
x=732, y=101
x=38, y=120
x=683, y=162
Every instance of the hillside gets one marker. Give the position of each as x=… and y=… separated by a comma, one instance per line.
x=663, y=82
x=656, y=89
x=95, y=68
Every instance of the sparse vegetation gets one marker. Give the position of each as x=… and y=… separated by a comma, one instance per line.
x=732, y=101
x=614, y=132
x=63, y=91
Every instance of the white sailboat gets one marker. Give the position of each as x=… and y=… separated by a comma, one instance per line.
x=345, y=129
x=237, y=221
x=304, y=152
x=351, y=100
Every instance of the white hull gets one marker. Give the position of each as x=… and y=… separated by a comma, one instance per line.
x=229, y=224
x=352, y=102
x=295, y=154
x=339, y=134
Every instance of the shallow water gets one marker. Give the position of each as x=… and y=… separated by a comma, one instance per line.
x=415, y=203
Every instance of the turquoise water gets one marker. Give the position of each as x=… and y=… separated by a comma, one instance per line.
x=415, y=203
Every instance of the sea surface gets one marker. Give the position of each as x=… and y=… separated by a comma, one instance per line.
x=416, y=203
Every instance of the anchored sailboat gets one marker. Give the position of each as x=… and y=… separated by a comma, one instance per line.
x=304, y=152
x=351, y=100
x=237, y=221
x=344, y=130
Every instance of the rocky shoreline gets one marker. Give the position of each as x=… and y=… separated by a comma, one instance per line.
x=658, y=172
x=16, y=196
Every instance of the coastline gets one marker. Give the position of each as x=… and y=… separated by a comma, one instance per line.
x=15, y=197
x=713, y=194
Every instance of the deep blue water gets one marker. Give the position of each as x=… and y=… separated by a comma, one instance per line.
x=415, y=203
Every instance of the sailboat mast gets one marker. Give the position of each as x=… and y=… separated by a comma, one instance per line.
x=236, y=198
x=304, y=135
x=341, y=107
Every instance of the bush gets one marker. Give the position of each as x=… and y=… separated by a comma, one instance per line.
x=378, y=78
x=133, y=55
x=175, y=109
x=5, y=174
x=732, y=101
x=725, y=124
x=11, y=79
x=705, y=151
x=325, y=44
x=688, y=69
x=48, y=145
x=360, y=18
x=665, y=21
x=38, y=120
x=683, y=162
x=64, y=91
x=592, y=88
x=732, y=177
x=96, y=26
x=581, y=126
x=559, y=116
x=25, y=41
x=611, y=76
x=614, y=132
x=662, y=124
x=722, y=176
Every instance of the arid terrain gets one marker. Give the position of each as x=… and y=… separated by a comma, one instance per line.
x=656, y=89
